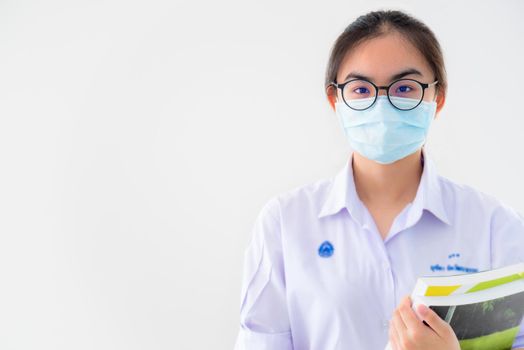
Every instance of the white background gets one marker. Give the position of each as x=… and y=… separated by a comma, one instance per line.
x=139, y=140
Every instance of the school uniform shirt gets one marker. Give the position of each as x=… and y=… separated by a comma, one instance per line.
x=319, y=276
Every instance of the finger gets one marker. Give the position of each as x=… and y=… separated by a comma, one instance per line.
x=408, y=315
x=399, y=324
x=440, y=326
x=394, y=344
x=393, y=336
x=402, y=332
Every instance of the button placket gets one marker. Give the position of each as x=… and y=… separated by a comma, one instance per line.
x=385, y=325
x=384, y=264
x=388, y=273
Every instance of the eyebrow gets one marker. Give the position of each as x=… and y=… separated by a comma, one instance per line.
x=394, y=77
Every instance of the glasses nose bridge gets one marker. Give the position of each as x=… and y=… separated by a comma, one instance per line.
x=386, y=88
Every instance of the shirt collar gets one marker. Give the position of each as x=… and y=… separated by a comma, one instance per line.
x=343, y=194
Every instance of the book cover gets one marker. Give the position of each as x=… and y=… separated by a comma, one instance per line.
x=486, y=320
x=489, y=325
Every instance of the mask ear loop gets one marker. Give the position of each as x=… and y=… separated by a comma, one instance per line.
x=436, y=93
x=336, y=93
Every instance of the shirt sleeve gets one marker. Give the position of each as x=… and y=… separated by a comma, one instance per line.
x=507, y=232
x=264, y=321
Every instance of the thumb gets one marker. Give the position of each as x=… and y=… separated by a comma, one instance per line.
x=434, y=321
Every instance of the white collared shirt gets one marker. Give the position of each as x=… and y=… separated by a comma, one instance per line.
x=319, y=276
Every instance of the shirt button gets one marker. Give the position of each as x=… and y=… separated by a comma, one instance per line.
x=385, y=325
x=385, y=266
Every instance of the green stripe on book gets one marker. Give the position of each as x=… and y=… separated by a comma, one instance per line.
x=496, y=282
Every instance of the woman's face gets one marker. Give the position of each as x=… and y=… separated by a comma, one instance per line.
x=382, y=60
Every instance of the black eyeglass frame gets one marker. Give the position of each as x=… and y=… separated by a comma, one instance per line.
x=378, y=88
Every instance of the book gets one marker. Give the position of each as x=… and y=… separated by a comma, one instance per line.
x=485, y=309
x=467, y=283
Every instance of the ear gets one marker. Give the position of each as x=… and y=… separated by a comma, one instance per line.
x=441, y=99
x=331, y=96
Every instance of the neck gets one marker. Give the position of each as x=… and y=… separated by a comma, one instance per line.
x=387, y=183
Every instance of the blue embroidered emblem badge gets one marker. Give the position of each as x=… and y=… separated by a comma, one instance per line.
x=326, y=249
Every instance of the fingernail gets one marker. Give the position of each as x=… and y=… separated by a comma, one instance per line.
x=423, y=309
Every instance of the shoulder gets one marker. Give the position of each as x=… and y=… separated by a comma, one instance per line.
x=478, y=210
x=305, y=199
x=474, y=200
x=297, y=204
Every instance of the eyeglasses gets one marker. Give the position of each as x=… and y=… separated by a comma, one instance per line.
x=403, y=94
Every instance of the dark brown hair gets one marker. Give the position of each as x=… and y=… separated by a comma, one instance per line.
x=377, y=23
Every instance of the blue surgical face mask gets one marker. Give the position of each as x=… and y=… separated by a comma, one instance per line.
x=384, y=133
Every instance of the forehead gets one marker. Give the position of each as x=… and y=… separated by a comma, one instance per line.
x=381, y=57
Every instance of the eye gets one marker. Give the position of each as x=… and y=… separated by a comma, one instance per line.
x=361, y=90
x=404, y=89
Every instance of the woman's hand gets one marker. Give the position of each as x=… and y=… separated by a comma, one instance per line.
x=407, y=332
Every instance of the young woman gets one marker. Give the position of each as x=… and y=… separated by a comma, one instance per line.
x=331, y=264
